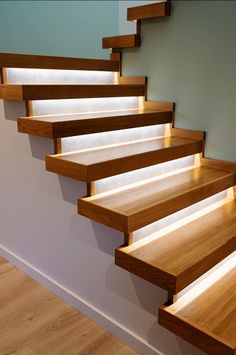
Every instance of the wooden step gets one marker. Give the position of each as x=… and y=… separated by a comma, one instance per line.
x=160, y=9
x=12, y=60
x=58, y=126
x=124, y=41
x=136, y=207
x=209, y=320
x=68, y=91
x=180, y=257
x=95, y=164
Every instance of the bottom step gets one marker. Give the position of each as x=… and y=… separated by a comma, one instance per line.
x=209, y=320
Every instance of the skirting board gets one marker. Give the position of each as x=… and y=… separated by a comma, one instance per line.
x=111, y=325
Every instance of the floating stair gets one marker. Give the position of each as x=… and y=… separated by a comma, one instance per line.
x=67, y=91
x=123, y=41
x=144, y=12
x=178, y=258
x=98, y=163
x=209, y=320
x=12, y=60
x=58, y=126
x=175, y=260
x=161, y=9
x=136, y=207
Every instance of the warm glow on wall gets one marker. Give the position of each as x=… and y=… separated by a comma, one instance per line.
x=50, y=107
x=54, y=76
x=207, y=280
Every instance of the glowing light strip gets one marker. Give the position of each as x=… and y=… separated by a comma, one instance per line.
x=112, y=145
x=26, y=75
x=90, y=112
x=65, y=106
x=140, y=183
x=220, y=271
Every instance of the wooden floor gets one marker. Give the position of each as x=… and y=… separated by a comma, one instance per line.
x=33, y=321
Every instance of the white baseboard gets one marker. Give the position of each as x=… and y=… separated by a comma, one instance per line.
x=111, y=325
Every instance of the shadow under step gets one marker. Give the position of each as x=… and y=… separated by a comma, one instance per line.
x=28, y=92
x=59, y=126
x=209, y=320
x=178, y=258
x=133, y=208
x=12, y=60
x=102, y=162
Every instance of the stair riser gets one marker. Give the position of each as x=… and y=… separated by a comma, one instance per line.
x=118, y=166
x=88, y=126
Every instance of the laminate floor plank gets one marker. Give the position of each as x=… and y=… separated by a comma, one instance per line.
x=33, y=321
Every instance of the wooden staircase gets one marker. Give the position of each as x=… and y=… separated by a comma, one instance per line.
x=193, y=258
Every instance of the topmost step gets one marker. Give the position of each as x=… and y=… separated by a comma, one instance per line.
x=159, y=9
x=11, y=60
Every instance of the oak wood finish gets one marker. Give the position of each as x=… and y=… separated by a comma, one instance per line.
x=91, y=188
x=136, y=207
x=67, y=91
x=57, y=146
x=135, y=80
x=124, y=41
x=56, y=126
x=29, y=111
x=188, y=133
x=12, y=60
x=159, y=105
x=208, y=321
x=117, y=57
x=91, y=165
x=149, y=11
x=34, y=321
x=218, y=164
x=4, y=78
x=177, y=259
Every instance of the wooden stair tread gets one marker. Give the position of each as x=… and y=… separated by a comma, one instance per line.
x=208, y=321
x=12, y=60
x=68, y=91
x=131, y=209
x=160, y=9
x=180, y=257
x=91, y=165
x=123, y=41
x=57, y=126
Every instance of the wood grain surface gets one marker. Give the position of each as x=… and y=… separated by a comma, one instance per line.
x=58, y=126
x=35, y=322
x=136, y=207
x=177, y=259
x=102, y=162
x=160, y=9
x=208, y=321
x=12, y=60
x=67, y=91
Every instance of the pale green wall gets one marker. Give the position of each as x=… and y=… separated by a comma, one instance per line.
x=190, y=58
x=70, y=28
